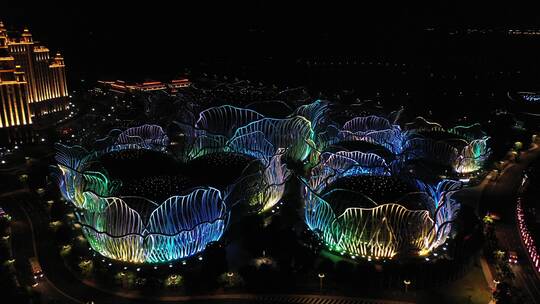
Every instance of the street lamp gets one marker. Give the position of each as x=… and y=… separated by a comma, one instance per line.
x=229, y=277
x=406, y=283
x=321, y=277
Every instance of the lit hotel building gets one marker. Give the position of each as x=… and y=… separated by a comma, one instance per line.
x=32, y=83
x=122, y=87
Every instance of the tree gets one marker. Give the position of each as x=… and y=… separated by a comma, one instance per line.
x=86, y=267
x=4, y=225
x=231, y=280
x=125, y=278
x=174, y=281
x=54, y=225
x=503, y=293
x=499, y=255
x=65, y=250
x=23, y=178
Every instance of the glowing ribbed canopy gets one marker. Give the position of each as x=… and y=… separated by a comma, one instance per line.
x=331, y=155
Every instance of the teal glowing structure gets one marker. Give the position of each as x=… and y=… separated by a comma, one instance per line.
x=464, y=148
x=141, y=230
x=350, y=221
x=272, y=141
x=349, y=201
x=359, y=196
x=136, y=229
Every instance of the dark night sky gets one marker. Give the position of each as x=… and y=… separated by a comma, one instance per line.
x=154, y=38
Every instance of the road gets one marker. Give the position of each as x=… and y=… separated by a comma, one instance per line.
x=526, y=280
x=500, y=195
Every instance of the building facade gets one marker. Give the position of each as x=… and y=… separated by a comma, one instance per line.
x=122, y=87
x=32, y=82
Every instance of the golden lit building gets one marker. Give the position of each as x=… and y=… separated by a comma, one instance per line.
x=122, y=87
x=14, y=106
x=31, y=79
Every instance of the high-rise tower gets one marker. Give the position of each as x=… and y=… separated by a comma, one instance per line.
x=14, y=107
x=42, y=77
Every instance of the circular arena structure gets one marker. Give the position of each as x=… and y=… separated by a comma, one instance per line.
x=151, y=195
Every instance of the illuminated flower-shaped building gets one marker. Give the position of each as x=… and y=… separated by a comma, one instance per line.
x=143, y=195
x=136, y=211
x=375, y=130
x=463, y=148
x=358, y=202
x=271, y=141
x=141, y=199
